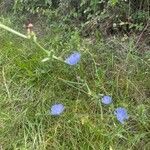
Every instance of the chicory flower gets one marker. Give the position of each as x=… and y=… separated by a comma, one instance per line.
x=121, y=114
x=106, y=100
x=73, y=59
x=56, y=109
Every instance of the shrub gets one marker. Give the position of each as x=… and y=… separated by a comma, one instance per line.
x=108, y=16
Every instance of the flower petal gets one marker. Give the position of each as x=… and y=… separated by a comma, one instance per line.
x=56, y=109
x=106, y=100
x=121, y=114
x=73, y=58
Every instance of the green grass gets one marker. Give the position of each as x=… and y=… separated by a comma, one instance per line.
x=29, y=87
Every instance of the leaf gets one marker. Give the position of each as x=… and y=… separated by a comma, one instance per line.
x=113, y=2
x=45, y=59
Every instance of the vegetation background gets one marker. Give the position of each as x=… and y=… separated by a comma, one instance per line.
x=113, y=37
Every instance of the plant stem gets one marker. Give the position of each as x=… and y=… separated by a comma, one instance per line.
x=26, y=37
x=13, y=31
x=46, y=51
x=57, y=58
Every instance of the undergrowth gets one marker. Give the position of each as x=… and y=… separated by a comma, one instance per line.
x=29, y=87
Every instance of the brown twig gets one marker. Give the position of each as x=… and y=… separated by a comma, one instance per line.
x=142, y=34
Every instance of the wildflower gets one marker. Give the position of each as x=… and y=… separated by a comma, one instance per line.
x=56, y=109
x=121, y=114
x=106, y=100
x=73, y=58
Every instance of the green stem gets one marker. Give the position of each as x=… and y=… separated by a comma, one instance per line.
x=58, y=58
x=13, y=31
x=46, y=51
x=26, y=37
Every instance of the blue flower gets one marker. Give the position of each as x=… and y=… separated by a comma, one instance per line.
x=106, y=100
x=121, y=114
x=56, y=109
x=73, y=58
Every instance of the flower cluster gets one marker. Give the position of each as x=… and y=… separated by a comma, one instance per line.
x=73, y=59
x=120, y=113
x=57, y=109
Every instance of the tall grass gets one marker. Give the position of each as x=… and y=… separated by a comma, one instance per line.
x=28, y=89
